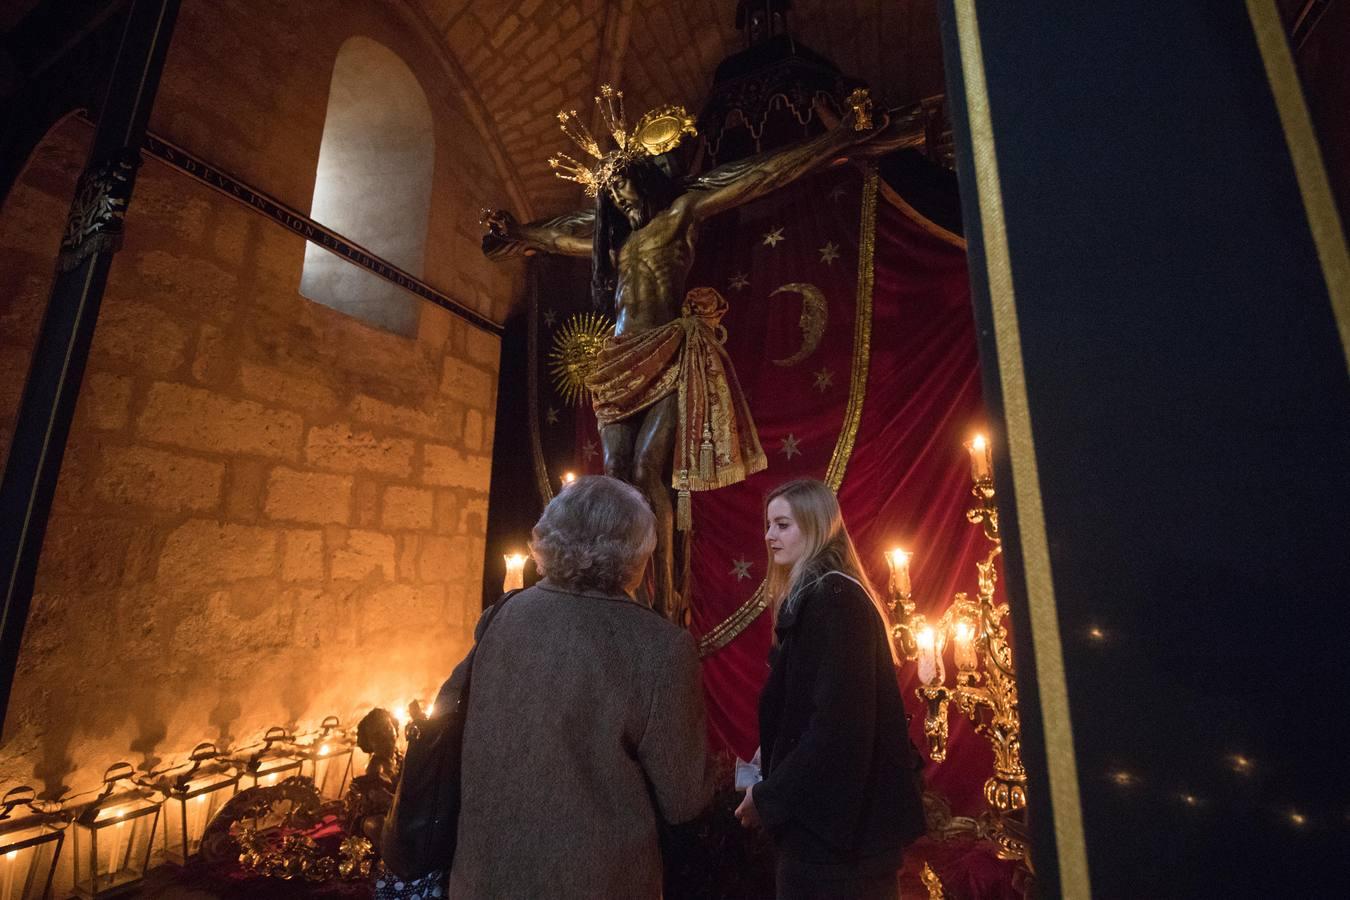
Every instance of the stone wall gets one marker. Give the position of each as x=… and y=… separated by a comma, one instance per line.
x=269, y=512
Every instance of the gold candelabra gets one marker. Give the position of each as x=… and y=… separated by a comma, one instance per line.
x=985, y=688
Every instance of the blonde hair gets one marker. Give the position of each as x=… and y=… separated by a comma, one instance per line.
x=828, y=548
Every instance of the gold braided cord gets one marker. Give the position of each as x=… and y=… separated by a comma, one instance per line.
x=862, y=332
x=733, y=625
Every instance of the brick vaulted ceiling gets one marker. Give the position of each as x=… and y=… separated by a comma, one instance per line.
x=523, y=60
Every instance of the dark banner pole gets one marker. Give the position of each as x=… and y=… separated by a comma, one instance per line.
x=92, y=236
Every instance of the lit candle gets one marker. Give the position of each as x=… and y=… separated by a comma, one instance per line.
x=196, y=822
x=964, y=635
x=981, y=458
x=9, y=875
x=114, y=866
x=898, y=560
x=515, y=572
x=930, y=656
x=568, y=478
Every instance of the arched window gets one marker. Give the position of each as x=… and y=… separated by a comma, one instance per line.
x=373, y=184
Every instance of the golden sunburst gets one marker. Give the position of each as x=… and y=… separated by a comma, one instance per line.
x=575, y=347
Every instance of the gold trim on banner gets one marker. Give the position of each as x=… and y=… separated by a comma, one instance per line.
x=1323, y=220
x=532, y=386
x=1052, y=687
x=733, y=625
x=927, y=224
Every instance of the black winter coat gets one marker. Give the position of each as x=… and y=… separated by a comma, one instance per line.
x=841, y=777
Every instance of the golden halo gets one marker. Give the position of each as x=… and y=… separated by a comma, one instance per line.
x=575, y=347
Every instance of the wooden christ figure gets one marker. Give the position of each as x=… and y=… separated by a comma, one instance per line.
x=670, y=413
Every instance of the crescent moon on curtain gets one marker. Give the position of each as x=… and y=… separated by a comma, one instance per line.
x=814, y=318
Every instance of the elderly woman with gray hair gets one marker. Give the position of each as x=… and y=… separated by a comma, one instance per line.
x=585, y=719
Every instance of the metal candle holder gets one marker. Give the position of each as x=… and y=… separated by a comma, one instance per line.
x=985, y=685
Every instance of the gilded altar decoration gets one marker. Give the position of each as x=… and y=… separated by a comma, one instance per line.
x=985, y=688
x=657, y=132
x=576, y=349
x=94, y=224
x=716, y=444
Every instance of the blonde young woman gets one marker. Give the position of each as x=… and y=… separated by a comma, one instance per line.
x=841, y=795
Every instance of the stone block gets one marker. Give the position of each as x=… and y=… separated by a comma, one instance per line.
x=204, y=420
x=436, y=561
x=204, y=551
x=466, y=383
x=483, y=348
x=363, y=554
x=86, y=553
x=419, y=607
x=447, y=512
x=305, y=391
x=402, y=418
x=407, y=508
x=212, y=363
x=144, y=476
x=316, y=497
x=105, y=400
x=339, y=448
x=302, y=555
x=367, y=504
x=474, y=519
x=450, y=467
x=138, y=333
x=409, y=548
x=473, y=430
x=244, y=494
x=212, y=289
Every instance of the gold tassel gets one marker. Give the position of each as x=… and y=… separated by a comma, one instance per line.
x=684, y=514
x=705, y=456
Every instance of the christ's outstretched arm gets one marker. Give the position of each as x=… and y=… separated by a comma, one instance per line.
x=565, y=235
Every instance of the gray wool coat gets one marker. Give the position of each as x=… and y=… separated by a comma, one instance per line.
x=585, y=723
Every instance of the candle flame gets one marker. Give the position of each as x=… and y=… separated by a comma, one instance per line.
x=323, y=749
x=898, y=558
x=964, y=631
x=978, y=442
x=568, y=478
x=926, y=638
x=516, y=560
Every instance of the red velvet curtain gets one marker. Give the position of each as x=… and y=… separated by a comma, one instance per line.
x=907, y=479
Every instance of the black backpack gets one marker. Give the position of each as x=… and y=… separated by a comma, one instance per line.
x=422, y=827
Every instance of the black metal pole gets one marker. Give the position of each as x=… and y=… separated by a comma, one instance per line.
x=92, y=237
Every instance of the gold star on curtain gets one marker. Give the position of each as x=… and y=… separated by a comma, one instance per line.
x=739, y=280
x=740, y=568
x=551, y=416
x=550, y=317
x=589, y=451
x=771, y=238
x=837, y=194
x=829, y=253
x=824, y=380
x=789, y=447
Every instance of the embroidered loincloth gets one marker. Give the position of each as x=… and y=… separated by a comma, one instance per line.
x=715, y=442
